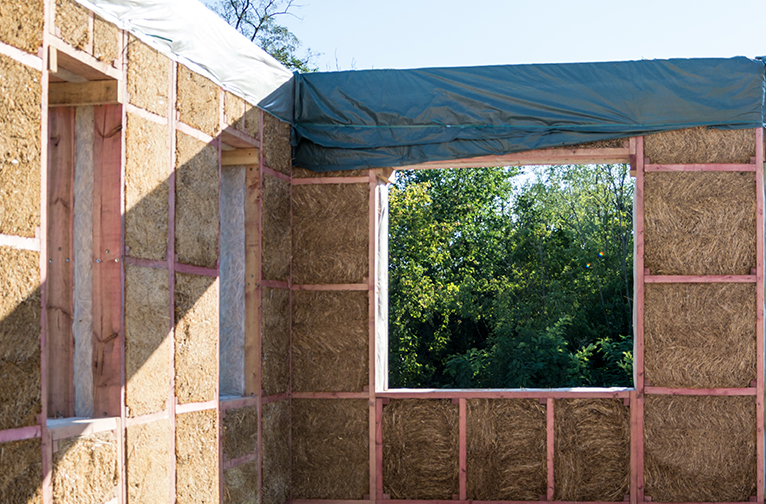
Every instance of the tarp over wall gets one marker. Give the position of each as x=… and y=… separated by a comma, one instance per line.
x=391, y=118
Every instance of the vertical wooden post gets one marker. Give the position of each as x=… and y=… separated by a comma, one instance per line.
x=462, y=448
x=379, y=449
x=107, y=267
x=759, y=159
x=122, y=493
x=638, y=354
x=60, y=277
x=373, y=422
x=253, y=303
x=550, y=446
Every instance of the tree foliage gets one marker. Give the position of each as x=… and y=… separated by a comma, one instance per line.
x=257, y=20
x=504, y=278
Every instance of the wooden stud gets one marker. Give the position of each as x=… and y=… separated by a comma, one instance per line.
x=720, y=167
x=257, y=258
x=31, y=432
x=274, y=173
x=330, y=395
x=238, y=157
x=121, y=455
x=700, y=391
x=379, y=449
x=107, y=264
x=30, y=60
x=53, y=65
x=333, y=287
x=252, y=278
x=85, y=93
x=196, y=270
x=699, y=278
x=330, y=180
x=81, y=63
x=759, y=160
x=571, y=393
x=638, y=358
x=60, y=278
x=373, y=420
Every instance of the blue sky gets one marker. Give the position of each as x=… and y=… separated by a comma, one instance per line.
x=367, y=34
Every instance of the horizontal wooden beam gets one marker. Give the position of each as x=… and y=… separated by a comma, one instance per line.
x=196, y=406
x=556, y=156
x=73, y=94
x=238, y=157
x=73, y=427
x=330, y=395
x=569, y=393
x=82, y=63
x=699, y=278
x=699, y=167
x=228, y=403
x=33, y=431
x=750, y=391
x=31, y=60
x=196, y=270
x=332, y=287
x=331, y=180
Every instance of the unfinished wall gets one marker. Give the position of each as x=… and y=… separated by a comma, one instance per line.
x=148, y=451
x=197, y=457
x=21, y=24
x=85, y=469
x=275, y=478
x=148, y=77
x=21, y=472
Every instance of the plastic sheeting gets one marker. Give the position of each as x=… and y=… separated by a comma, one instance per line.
x=188, y=32
x=391, y=118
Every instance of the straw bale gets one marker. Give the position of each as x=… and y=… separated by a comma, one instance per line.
x=276, y=452
x=196, y=338
x=700, y=223
x=147, y=342
x=592, y=450
x=106, y=40
x=700, y=335
x=19, y=147
x=21, y=472
x=304, y=173
x=240, y=432
x=700, y=145
x=197, y=458
x=146, y=188
x=197, y=101
x=196, y=202
x=420, y=449
x=252, y=120
x=234, y=110
x=21, y=24
x=330, y=341
x=241, y=484
x=277, y=152
x=331, y=457
x=148, y=462
x=506, y=452
x=85, y=469
x=148, y=77
x=330, y=233
x=276, y=229
x=275, y=341
x=614, y=143
x=20, y=316
x=232, y=275
x=699, y=449
x=72, y=23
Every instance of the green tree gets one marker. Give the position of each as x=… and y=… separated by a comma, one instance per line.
x=257, y=20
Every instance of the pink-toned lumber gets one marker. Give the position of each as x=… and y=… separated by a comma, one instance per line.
x=196, y=406
x=700, y=391
x=82, y=63
x=550, y=446
x=59, y=304
x=275, y=284
x=239, y=402
x=122, y=64
x=145, y=114
x=583, y=393
x=330, y=395
x=378, y=449
x=330, y=180
x=274, y=398
x=699, y=167
x=638, y=331
x=236, y=138
x=196, y=270
x=20, y=242
x=144, y=419
x=30, y=60
x=33, y=431
x=462, y=448
x=228, y=464
x=195, y=133
x=536, y=157
x=333, y=287
x=699, y=278
x=633, y=447
x=146, y=263
x=759, y=159
x=457, y=501
x=373, y=418
x=276, y=174
x=107, y=267
x=257, y=178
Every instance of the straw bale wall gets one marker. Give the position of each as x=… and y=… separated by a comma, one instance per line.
x=196, y=338
x=276, y=229
x=147, y=454
x=85, y=469
x=331, y=457
x=275, y=341
x=700, y=145
x=197, y=194
x=506, y=449
x=147, y=344
x=21, y=24
x=330, y=341
x=686, y=214
x=234, y=111
x=252, y=120
x=148, y=83
x=19, y=147
x=197, y=101
x=700, y=335
x=276, y=453
x=21, y=472
x=72, y=23
x=330, y=233
x=240, y=432
x=20, y=316
x=699, y=448
x=240, y=484
x=146, y=188
x=592, y=450
x=420, y=449
x=277, y=153
x=106, y=41
x=197, y=457
x=304, y=173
